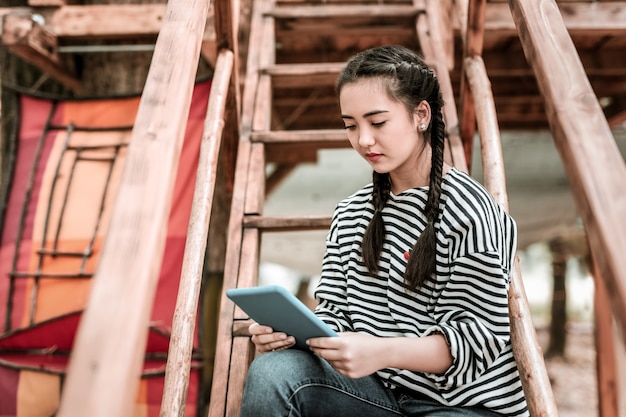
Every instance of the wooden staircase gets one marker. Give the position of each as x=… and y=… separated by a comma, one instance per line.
x=289, y=112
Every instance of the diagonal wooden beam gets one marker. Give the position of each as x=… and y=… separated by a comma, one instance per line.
x=593, y=163
x=108, y=353
x=578, y=17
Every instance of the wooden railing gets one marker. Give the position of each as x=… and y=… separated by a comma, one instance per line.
x=592, y=161
x=528, y=354
x=104, y=369
x=184, y=322
x=478, y=108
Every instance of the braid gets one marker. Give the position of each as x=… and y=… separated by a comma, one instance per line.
x=422, y=262
x=375, y=232
x=409, y=81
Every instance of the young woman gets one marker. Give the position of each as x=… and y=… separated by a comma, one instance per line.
x=414, y=278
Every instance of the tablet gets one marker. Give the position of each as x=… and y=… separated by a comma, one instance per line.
x=276, y=307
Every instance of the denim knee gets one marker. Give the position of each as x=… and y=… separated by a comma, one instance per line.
x=286, y=365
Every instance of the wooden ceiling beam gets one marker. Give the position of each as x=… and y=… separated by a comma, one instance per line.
x=132, y=20
x=112, y=21
x=33, y=33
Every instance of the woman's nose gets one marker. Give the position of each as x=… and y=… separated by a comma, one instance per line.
x=366, y=138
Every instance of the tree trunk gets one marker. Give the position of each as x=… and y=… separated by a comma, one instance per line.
x=558, y=323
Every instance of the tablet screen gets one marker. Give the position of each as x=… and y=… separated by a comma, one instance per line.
x=276, y=307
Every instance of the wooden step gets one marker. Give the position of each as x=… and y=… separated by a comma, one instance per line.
x=300, y=136
x=341, y=11
x=304, y=75
x=286, y=224
x=297, y=146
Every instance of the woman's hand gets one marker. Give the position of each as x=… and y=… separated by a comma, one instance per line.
x=357, y=354
x=354, y=355
x=267, y=340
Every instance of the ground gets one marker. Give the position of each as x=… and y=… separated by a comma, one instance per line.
x=573, y=376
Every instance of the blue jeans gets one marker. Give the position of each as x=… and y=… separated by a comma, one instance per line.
x=294, y=383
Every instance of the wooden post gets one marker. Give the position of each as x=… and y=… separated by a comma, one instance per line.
x=183, y=326
x=526, y=349
x=606, y=355
x=105, y=366
x=594, y=165
x=472, y=47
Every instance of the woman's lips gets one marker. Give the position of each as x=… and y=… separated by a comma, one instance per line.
x=373, y=157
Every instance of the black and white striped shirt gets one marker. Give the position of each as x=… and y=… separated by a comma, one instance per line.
x=466, y=301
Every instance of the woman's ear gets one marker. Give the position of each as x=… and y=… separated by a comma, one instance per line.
x=421, y=114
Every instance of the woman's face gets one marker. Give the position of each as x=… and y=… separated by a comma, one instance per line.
x=380, y=129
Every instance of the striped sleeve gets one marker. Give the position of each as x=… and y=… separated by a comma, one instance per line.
x=472, y=304
x=331, y=290
x=472, y=313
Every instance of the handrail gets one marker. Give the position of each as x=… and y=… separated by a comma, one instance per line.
x=528, y=355
x=592, y=161
x=183, y=325
x=104, y=368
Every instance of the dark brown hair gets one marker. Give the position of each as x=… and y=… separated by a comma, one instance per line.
x=409, y=81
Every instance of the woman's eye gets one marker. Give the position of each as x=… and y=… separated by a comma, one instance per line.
x=350, y=127
x=379, y=124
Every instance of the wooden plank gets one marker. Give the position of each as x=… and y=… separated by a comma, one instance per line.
x=262, y=110
x=255, y=185
x=226, y=17
x=223, y=32
x=606, y=364
x=444, y=13
x=528, y=355
x=104, y=368
x=287, y=224
x=352, y=10
x=255, y=50
x=593, y=17
x=480, y=90
x=107, y=20
x=299, y=136
x=238, y=373
x=432, y=51
x=248, y=276
x=112, y=21
x=331, y=68
x=593, y=163
x=41, y=3
x=219, y=387
x=473, y=47
x=224, y=340
x=184, y=321
x=303, y=75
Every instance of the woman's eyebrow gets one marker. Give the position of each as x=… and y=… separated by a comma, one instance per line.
x=368, y=114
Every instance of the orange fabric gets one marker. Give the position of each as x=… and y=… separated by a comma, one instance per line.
x=101, y=113
x=38, y=394
x=69, y=208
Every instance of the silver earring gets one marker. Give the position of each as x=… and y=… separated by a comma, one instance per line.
x=422, y=127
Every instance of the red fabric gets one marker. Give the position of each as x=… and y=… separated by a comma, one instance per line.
x=59, y=302
x=9, y=379
x=31, y=127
